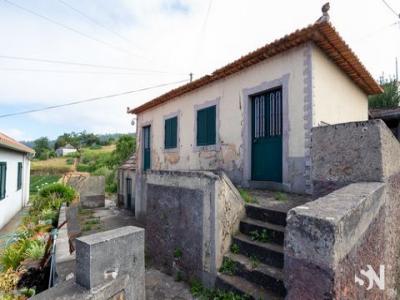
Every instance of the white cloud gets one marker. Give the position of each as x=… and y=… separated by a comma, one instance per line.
x=169, y=35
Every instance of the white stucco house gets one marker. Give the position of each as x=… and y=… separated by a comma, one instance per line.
x=253, y=117
x=14, y=177
x=62, y=151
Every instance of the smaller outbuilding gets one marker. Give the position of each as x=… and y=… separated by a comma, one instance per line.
x=14, y=177
x=391, y=117
x=68, y=148
x=126, y=183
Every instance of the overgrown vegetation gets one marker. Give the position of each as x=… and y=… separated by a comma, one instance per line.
x=280, y=196
x=390, y=98
x=260, y=236
x=26, y=250
x=38, y=182
x=202, y=293
x=254, y=261
x=228, y=266
x=247, y=197
x=235, y=248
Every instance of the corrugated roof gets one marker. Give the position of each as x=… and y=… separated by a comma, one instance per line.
x=10, y=143
x=322, y=34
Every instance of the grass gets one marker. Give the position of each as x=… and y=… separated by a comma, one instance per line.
x=280, y=196
x=54, y=166
x=37, y=181
x=102, y=150
x=202, y=293
x=262, y=236
x=247, y=197
x=254, y=262
x=235, y=248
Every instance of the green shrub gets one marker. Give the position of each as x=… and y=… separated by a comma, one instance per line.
x=95, y=147
x=84, y=168
x=228, y=266
x=48, y=214
x=35, y=250
x=13, y=255
x=58, y=190
x=70, y=161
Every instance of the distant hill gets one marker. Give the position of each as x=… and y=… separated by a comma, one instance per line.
x=102, y=137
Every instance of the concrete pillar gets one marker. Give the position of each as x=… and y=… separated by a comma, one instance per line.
x=105, y=256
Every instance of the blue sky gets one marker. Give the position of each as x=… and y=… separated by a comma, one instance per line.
x=156, y=35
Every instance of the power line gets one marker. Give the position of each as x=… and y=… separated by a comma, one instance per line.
x=72, y=72
x=70, y=28
x=391, y=9
x=63, y=62
x=90, y=99
x=94, y=21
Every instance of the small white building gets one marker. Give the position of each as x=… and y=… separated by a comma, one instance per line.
x=68, y=148
x=14, y=177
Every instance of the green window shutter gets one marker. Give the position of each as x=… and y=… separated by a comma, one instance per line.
x=171, y=133
x=206, y=126
x=19, y=179
x=3, y=174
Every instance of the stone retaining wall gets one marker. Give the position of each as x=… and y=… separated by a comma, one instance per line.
x=190, y=217
x=329, y=241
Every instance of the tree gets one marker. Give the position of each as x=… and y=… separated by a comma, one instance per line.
x=125, y=146
x=42, y=148
x=62, y=140
x=389, y=98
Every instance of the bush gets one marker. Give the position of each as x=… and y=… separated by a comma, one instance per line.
x=58, y=191
x=13, y=255
x=35, y=250
x=95, y=147
x=70, y=161
x=85, y=168
x=8, y=281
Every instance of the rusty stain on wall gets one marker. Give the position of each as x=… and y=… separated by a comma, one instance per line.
x=171, y=157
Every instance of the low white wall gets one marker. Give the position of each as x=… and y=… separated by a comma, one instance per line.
x=15, y=199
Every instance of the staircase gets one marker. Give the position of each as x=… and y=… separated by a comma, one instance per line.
x=256, y=257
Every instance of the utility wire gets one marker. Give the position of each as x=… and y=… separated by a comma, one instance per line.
x=70, y=28
x=63, y=62
x=391, y=8
x=90, y=99
x=72, y=72
x=94, y=21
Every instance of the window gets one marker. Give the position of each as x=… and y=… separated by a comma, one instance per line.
x=3, y=173
x=171, y=133
x=19, y=178
x=206, y=126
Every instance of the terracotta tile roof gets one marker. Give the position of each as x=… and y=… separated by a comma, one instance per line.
x=322, y=34
x=10, y=143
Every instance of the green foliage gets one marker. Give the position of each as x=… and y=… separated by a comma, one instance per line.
x=262, y=236
x=70, y=161
x=48, y=214
x=58, y=190
x=27, y=292
x=389, y=98
x=247, y=197
x=42, y=148
x=92, y=221
x=35, y=250
x=254, y=261
x=280, y=196
x=228, y=266
x=38, y=182
x=178, y=253
x=235, y=248
x=13, y=255
x=202, y=293
x=8, y=281
x=125, y=146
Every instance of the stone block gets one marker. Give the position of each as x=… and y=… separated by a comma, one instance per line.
x=105, y=256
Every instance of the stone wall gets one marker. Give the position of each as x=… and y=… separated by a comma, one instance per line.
x=190, y=217
x=91, y=189
x=329, y=241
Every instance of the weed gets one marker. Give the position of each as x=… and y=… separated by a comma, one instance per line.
x=235, y=248
x=179, y=276
x=92, y=222
x=178, y=253
x=262, y=236
x=280, y=196
x=8, y=280
x=254, y=262
x=247, y=197
x=87, y=227
x=228, y=266
x=202, y=293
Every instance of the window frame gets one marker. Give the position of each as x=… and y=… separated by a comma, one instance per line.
x=176, y=146
x=3, y=180
x=19, y=175
x=217, y=145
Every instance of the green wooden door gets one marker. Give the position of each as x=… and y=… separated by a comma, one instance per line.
x=146, y=148
x=267, y=136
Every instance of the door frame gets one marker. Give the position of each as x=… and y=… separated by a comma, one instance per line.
x=128, y=186
x=282, y=82
x=144, y=125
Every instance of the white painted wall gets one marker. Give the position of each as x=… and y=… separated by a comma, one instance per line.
x=64, y=151
x=336, y=98
x=15, y=199
x=232, y=117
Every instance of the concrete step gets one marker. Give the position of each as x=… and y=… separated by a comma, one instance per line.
x=256, y=272
x=265, y=214
x=275, y=233
x=243, y=287
x=268, y=253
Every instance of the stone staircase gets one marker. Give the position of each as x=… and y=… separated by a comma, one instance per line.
x=256, y=264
